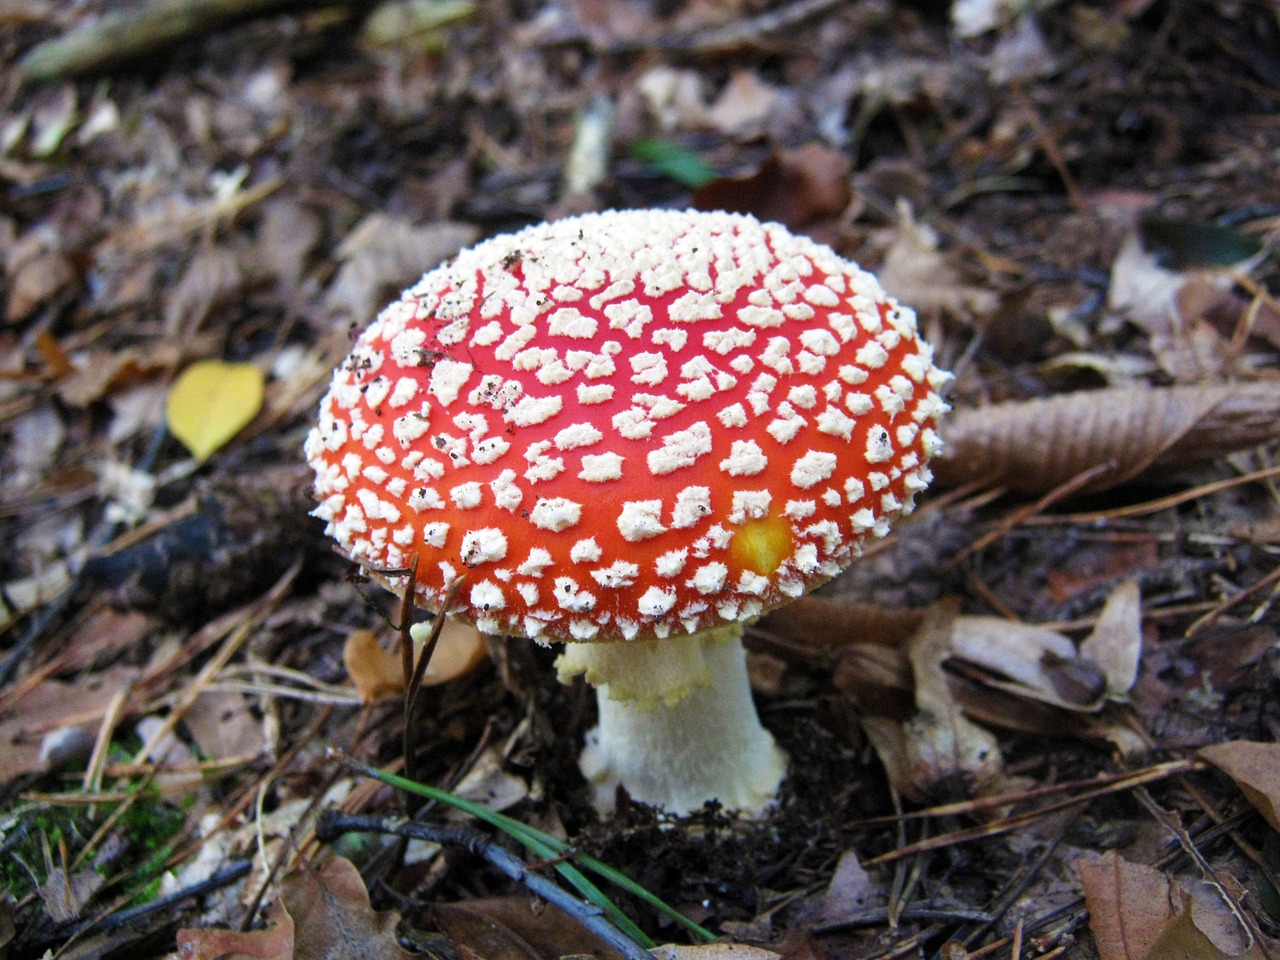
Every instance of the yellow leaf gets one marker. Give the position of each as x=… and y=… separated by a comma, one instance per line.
x=211, y=402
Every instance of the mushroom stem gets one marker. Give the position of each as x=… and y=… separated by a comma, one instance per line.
x=676, y=740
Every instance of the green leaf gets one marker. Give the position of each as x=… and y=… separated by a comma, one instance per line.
x=673, y=161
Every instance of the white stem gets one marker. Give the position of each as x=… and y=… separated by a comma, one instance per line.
x=709, y=745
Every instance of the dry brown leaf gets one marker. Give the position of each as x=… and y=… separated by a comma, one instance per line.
x=99, y=373
x=489, y=784
x=1139, y=913
x=1146, y=292
x=509, y=928
x=288, y=235
x=378, y=672
x=1188, y=315
x=917, y=272
x=51, y=706
x=1115, y=644
x=223, y=724
x=744, y=106
x=323, y=914
x=65, y=895
x=800, y=188
x=825, y=622
x=385, y=254
x=850, y=891
x=35, y=282
x=1129, y=905
x=1045, y=665
x=938, y=752
x=273, y=943
x=333, y=917
x=1034, y=446
x=1255, y=767
x=212, y=279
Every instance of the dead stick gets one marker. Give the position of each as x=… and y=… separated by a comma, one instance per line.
x=129, y=33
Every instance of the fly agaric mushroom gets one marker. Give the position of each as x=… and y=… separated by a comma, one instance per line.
x=633, y=432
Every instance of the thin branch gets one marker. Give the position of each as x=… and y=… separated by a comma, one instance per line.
x=333, y=824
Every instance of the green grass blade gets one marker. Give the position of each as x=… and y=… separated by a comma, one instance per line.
x=539, y=843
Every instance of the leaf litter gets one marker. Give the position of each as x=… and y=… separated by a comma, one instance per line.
x=1038, y=720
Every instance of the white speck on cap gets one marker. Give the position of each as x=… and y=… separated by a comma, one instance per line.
x=745, y=459
x=448, y=377
x=487, y=545
x=601, y=467
x=640, y=520
x=555, y=514
x=680, y=449
x=812, y=468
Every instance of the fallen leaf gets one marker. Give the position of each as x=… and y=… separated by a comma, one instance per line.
x=65, y=895
x=1167, y=278
x=223, y=724
x=1129, y=905
x=289, y=233
x=938, y=752
x=850, y=891
x=323, y=914
x=1138, y=913
x=490, y=785
x=799, y=188
x=824, y=622
x=674, y=161
x=1034, y=446
x=333, y=917
x=412, y=25
x=915, y=271
x=1255, y=767
x=211, y=943
x=383, y=255
x=51, y=706
x=509, y=928
x=378, y=672
x=212, y=279
x=1020, y=658
x=35, y=282
x=211, y=402
x=744, y=106
x=1115, y=644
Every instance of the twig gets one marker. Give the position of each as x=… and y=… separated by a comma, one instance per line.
x=877, y=917
x=1026, y=513
x=1017, y=820
x=1153, y=506
x=105, y=921
x=133, y=31
x=333, y=824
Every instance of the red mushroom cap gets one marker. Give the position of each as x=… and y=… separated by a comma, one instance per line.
x=626, y=424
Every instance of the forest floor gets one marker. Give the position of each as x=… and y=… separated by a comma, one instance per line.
x=1038, y=720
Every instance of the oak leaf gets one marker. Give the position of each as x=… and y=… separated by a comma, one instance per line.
x=324, y=913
